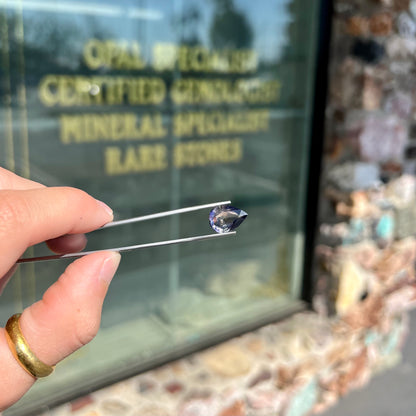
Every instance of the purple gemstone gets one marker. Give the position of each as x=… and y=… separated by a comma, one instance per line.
x=226, y=218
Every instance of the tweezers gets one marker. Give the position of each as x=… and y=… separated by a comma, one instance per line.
x=140, y=246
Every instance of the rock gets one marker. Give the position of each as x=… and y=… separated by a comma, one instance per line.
x=405, y=221
x=357, y=26
x=178, y=367
x=255, y=345
x=265, y=400
x=153, y=409
x=384, y=228
x=387, y=3
x=203, y=376
x=333, y=235
x=366, y=254
x=358, y=375
x=146, y=385
x=174, y=387
x=304, y=400
x=260, y=377
x=113, y=407
x=346, y=84
x=340, y=352
x=406, y=26
x=399, y=5
x=303, y=336
x=399, y=103
x=399, y=48
x=395, y=261
x=227, y=360
x=381, y=24
x=345, y=8
x=402, y=191
x=81, y=403
x=366, y=314
x=382, y=139
x=238, y=408
x=351, y=176
x=401, y=300
x=204, y=393
x=199, y=407
x=411, y=154
x=358, y=208
x=286, y=376
x=353, y=282
x=372, y=93
x=368, y=51
x=327, y=399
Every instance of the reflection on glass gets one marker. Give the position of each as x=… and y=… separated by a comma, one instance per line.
x=152, y=106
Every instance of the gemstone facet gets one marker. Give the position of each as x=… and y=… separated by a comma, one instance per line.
x=226, y=218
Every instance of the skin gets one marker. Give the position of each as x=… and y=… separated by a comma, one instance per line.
x=68, y=316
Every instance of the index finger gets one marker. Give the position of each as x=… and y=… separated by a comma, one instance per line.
x=9, y=180
x=32, y=216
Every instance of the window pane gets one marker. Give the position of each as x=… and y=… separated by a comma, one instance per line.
x=158, y=105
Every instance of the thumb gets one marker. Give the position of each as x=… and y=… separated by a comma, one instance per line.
x=67, y=317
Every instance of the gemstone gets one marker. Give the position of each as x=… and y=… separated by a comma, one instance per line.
x=226, y=218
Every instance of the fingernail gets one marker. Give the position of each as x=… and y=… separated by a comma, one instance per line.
x=109, y=267
x=106, y=208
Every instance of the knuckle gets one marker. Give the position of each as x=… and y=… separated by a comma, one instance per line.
x=14, y=211
x=85, y=332
x=86, y=324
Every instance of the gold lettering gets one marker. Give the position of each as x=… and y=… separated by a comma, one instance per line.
x=152, y=126
x=167, y=56
x=164, y=56
x=207, y=152
x=200, y=59
x=48, y=88
x=93, y=54
x=70, y=129
x=113, y=54
x=87, y=128
x=70, y=91
x=200, y=123
x=134, y=159
x=223, y=91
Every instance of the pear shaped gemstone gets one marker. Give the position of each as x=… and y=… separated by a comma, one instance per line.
x=226, y=218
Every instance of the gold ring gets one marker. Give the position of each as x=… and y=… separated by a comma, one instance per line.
x=22, y=352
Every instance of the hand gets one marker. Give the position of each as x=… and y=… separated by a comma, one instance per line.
x=68, y=316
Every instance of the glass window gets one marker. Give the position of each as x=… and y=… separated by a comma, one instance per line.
x=157, y=105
